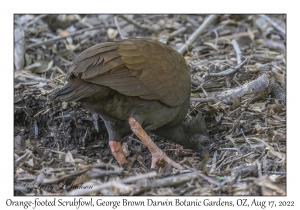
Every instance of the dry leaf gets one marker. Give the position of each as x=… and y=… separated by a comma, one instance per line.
x=125, y=149
x=69, y=158
x=40, y=66
x=112, y=33
x=19, y=48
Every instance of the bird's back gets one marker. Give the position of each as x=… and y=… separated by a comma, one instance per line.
x=139, y=78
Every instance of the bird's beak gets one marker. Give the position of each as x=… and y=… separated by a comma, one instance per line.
x=206, y=156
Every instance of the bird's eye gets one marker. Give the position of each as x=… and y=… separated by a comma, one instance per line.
x=205, y=142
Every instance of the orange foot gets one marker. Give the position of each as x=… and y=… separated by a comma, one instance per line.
x=117, y=151
x=157, y=154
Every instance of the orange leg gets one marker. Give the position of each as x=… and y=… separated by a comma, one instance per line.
x=157, y=154
x=116, y=149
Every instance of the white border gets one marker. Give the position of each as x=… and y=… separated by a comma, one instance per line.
x=154, y=6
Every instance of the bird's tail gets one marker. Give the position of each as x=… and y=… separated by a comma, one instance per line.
x=77, y=89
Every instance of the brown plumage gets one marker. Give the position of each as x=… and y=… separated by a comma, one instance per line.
x=136, y=82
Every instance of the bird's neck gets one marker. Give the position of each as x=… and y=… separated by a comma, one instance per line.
x=179, y=134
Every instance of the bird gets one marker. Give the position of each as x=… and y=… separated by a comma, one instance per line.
x=137, y=86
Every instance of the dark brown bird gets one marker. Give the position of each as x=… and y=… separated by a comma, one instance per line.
x=137, y=84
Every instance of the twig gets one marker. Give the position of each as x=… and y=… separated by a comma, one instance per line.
x=96, y=173
x=230, y=37
x=65, y=60
x=235, y=159
x=191, y=21
x=132, y=160
x=119, y=28
x=204, y=91
x=50, y=41
x=95, y=121
x=19, y=48
x=24, y=84
x=233, y=127
x=214, y=163
x=275, y=172
x=247, y=140
x=202, y=99
x=141, y=162
x=255, y=86
x=174, y=181
x=36, y=128
x=175, y=33
x=235, y=149
x=34, y=20
x=62, y=117
x=40, y=79
x=228, y=71
x=107, y=166
x=217, y=36
x=136, y=24
x=139, y=177
x=229, y=137
x=258, y=168
x=275, y=25
x=57, y=78
x=60, y=179
x=136, y=140
x=196, y=89
x=197, y=33
x=237, y=50
x=209, y=179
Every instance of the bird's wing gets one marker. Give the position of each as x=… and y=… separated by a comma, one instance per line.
x=136, y=67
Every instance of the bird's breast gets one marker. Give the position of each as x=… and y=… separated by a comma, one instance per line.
x=151, y=114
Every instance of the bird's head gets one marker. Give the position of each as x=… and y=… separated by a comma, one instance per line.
x=201, y=144
x=198, y=137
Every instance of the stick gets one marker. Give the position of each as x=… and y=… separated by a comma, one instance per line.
x=34, y=20
x=230, y=37
x=228, y=71
x=136, y=24
x=255, y=86
x=202, y=99
x=177, y=32
x=237, y=50
x=197, y=33
x=50, y=41
x=275, y=25
x=119, y=28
